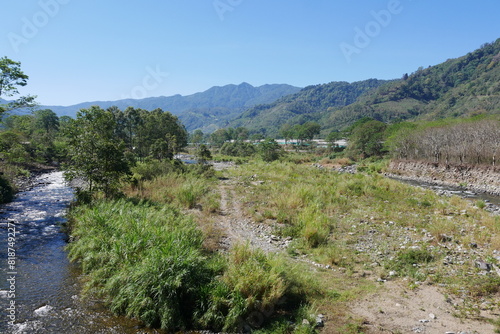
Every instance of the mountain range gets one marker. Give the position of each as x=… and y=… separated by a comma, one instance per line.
x=459, y=87
x=208, y=110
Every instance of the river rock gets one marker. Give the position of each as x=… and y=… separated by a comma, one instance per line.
x=483, y=265
x=43, y=311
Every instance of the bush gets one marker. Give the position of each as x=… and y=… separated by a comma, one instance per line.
x=152, y=169
x=238, y=149
x=6, y=190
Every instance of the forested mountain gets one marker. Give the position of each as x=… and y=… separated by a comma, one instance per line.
x=307, y=105
x=458, y=87
x=207, y=110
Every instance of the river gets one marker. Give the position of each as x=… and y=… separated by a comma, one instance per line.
x=492, y=201
x=40, y=288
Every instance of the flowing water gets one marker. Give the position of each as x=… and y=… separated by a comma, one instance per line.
x=457, y=191
x=39, y=287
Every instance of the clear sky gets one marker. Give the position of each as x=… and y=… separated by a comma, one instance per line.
x=88, y=50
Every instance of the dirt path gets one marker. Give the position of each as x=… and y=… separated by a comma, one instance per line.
x=238, y=227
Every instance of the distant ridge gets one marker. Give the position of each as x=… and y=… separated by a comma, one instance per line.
x=208, y=110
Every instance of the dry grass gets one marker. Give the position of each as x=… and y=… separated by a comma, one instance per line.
x=351, y=221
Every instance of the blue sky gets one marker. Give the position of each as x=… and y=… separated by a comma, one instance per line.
x=89, y=50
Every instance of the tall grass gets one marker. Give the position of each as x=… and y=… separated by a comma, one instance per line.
x=254, y=291
x=328, y=212
x=146, y=261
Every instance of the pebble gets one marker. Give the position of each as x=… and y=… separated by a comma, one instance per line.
x=432, y=316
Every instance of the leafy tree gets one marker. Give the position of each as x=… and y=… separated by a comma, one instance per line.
x=203, y=154
x=219, y=137
x=286, y=132
x=310, y=129
x=367, y=139
x=12, y=77
x=270, y=150
x=158, y=131
x=241, y=133
x=95, y=153
x=197, y=137
x=46, y=120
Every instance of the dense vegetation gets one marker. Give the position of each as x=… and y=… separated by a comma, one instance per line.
x=104, y=144
x=148, y=259
x=306, y=105
x=24, y=140
x=458, y=87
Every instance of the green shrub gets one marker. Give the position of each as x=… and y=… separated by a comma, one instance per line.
x=6, y=190
x=152, y=169
x=238, y=149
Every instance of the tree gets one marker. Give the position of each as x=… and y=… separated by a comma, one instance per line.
x=11, y=77
x=203, y=154
x=158, y=130
x=95, y=153
x=366, y=139
x=310, y=129
x=197, y=137
x=286, y=132
x=46, y=120
x=219, y=137
x=269, y=150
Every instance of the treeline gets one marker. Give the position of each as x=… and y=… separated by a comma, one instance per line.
x=103, y=145
x=473, y=143
x=32, y=138
x=99, y=145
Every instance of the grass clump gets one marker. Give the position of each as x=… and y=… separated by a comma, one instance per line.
x=409, y=262
x=146, y=261
x=255, y=290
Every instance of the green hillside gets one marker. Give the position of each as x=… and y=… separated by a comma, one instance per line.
x=208, y=110
x=307, y=105
x=456, y=88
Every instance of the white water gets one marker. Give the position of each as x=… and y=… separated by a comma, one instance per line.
x=47, y=286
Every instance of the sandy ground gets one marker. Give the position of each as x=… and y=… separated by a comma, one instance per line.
x=397, y=309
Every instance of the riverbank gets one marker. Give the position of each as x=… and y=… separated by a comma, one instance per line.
x=474, y=178
x=24, y=183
